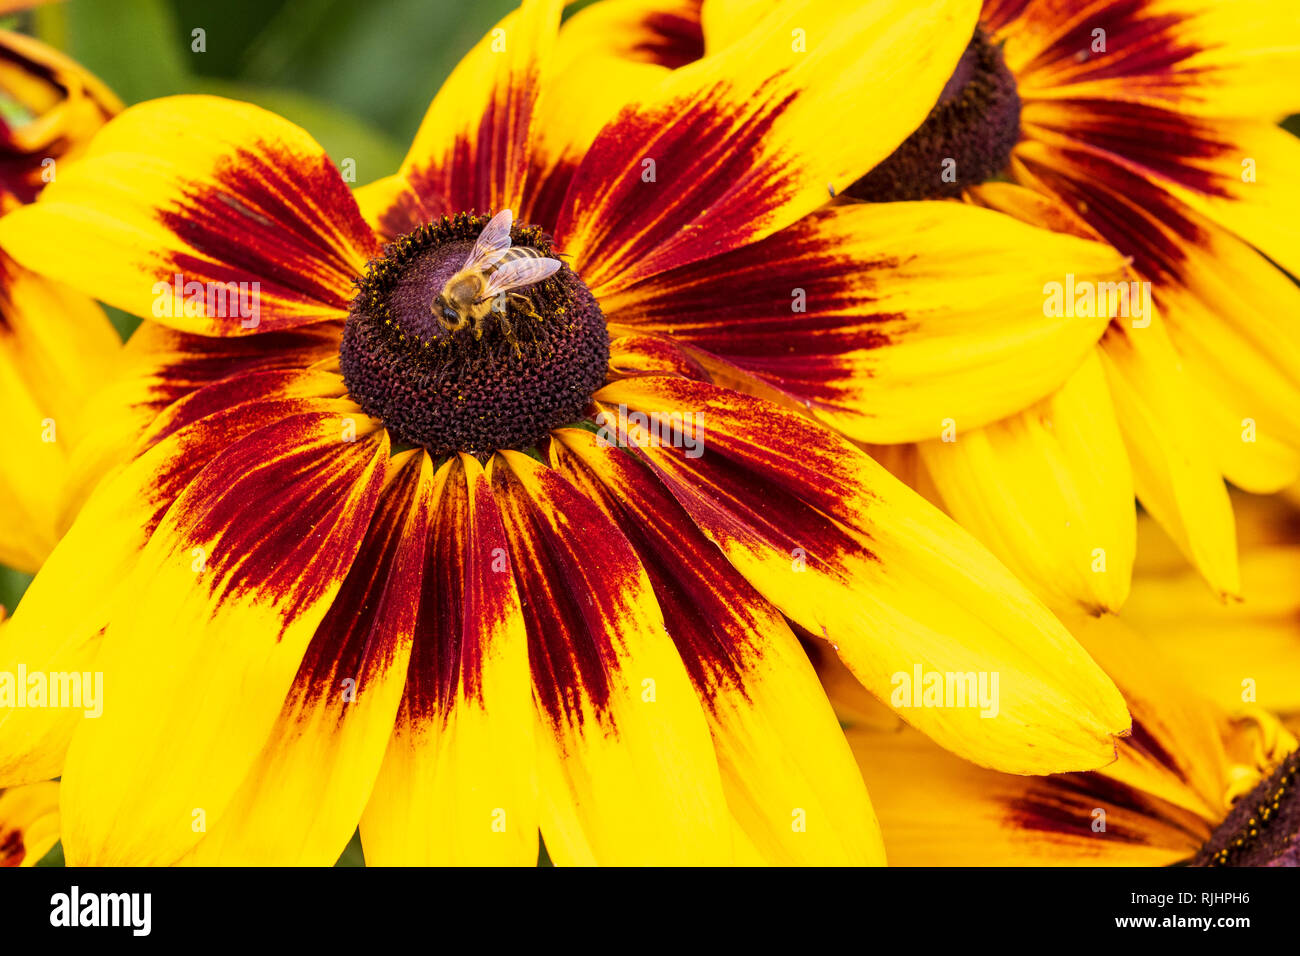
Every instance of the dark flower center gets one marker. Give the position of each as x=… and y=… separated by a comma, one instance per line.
x=1263, y=827
x=534, y=364
x=966, y=140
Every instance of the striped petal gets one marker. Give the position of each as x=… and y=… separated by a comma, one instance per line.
x=1050, y=492
x=1235, y=172
x=667, y=33
x=458, y=782
x=732, y=148
x=626, y=767
x=99, y=551
x=606, y=55
x=55, y=345
x=787, y=772
x=875, y=316
x=1197, y=56
x=936, y=810
x=1156, y=805
x=239, y=572
x=29, y=823
x=637, y=352
x=1228, y=310
x=160, y=366
x=855, y=558
x=300, y=800
x=207, y=215
x=472, y=149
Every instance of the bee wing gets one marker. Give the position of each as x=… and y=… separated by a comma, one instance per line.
x=492, y=242
x=519, y=272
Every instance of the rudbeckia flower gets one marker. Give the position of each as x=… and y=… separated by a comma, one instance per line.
x=56, y=345
x=381, y=552
x=1153, y=125
x=1149, y=124
x=1210, y=775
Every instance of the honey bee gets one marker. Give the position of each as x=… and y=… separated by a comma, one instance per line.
x=482, y=285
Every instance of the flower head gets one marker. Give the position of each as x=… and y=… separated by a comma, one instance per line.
x=1150, y=125
x=541, y=566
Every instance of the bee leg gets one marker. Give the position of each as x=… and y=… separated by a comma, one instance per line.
x=508, y=330
x=525, y=305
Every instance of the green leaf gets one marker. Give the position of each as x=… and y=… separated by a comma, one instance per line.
x=135, y=46
x=381, y=61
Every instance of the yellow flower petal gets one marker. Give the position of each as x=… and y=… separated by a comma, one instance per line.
x=1050, y=492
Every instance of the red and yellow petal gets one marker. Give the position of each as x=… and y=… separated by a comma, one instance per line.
x=101, y=548
x=1050, y=492
x=29, y=823
x=242, y=205
x=733, y=147
x=1176, y=751
x=875, y=316
x=1224, y=305
x=789, y=777
x=458, y=783
x=1156, y=805
x=1236, y=172
x=160, y=366
x=606, y=55
x=857, y=559
x=1230, y=315
x=300, y=800
x=1196, y=56
x=55, y=346
x=666, y=33
x=472, y=150
x=937, y=810
x=239, y=574
x=626, y=767
x=632, y=353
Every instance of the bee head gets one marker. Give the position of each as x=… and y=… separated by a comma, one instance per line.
x=448, y=315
